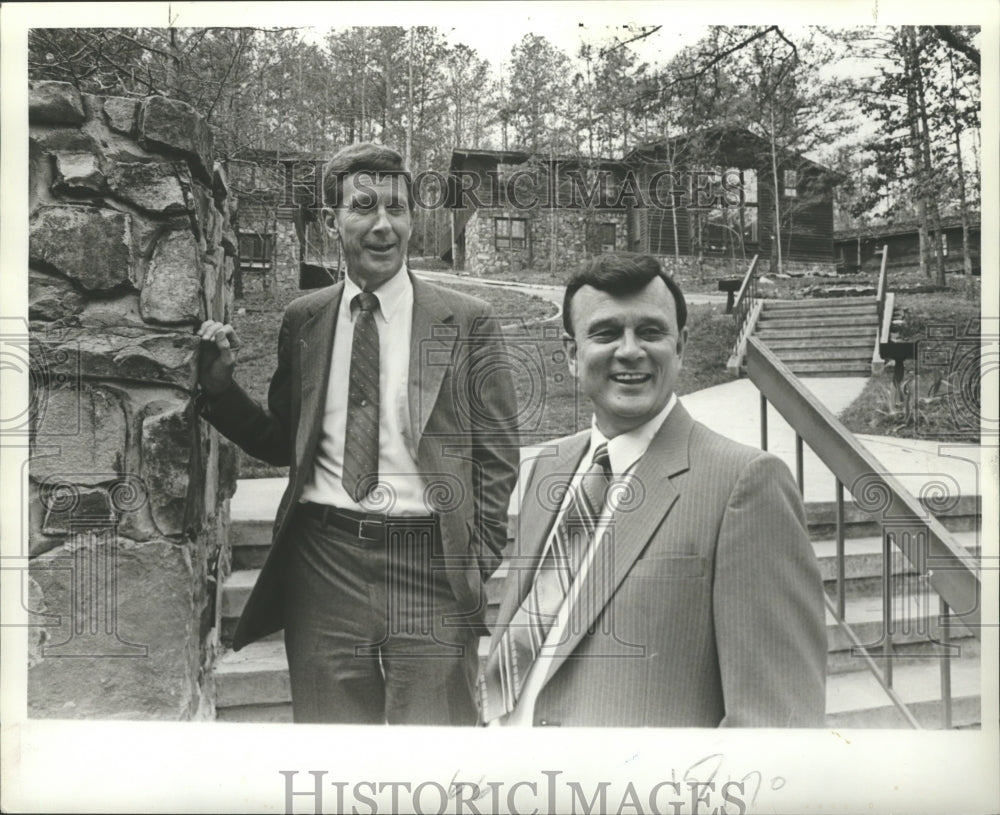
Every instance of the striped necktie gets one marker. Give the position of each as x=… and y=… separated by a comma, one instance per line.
x=361, y=436
x=508, y=664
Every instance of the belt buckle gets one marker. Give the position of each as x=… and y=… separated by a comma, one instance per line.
x=377, y=528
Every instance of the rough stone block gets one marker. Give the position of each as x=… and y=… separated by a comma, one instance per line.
x=143, y=660
x=126, y=352
x=166, y=459
x=121, y=114
x=152, y=187
x=228, y=467
x=89, y=245
x=88, y=505
x=62, y=140
x=51, y=297
x=54, y=103
x=176, y=125
x=39, y=176
x=88, y=425
x=171, y=291
x=79, y=172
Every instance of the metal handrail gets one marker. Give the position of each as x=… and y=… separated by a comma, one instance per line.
x=954, y=575
x=947, y=567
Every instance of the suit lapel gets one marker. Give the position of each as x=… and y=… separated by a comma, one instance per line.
x=535, y=518
x=315, y=348
x=666, y=456
x=432, y=341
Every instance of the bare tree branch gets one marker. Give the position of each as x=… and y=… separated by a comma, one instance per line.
x=951, y=38
x=605, y=51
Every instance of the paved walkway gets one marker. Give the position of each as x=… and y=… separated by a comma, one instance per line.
x=732, y=409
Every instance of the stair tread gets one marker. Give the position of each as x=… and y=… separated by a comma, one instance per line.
x=859, y=690
x=257, y=657
x=816, y=302
x=872, y=544
x=867, y=608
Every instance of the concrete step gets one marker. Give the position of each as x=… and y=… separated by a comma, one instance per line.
x=961, y=515
x=863, y=556
x=856, y=700
x=767, y=333
x=914, y=620
x=778, y=344
x=255, y=675
x=818, y=303
x=832, y=353
x=926, y=653
x=251, y=541
x=832, y=368
x=823, y=320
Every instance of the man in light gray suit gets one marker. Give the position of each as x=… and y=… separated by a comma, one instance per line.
x=396, y=412
x=662, y=574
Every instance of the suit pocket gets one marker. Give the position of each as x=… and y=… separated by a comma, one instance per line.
x=669, y=567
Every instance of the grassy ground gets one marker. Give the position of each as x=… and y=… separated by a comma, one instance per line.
x=938, y=397
x=547, y=395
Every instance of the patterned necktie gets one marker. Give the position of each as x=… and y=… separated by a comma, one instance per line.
x=361, y=437
x=508, y=664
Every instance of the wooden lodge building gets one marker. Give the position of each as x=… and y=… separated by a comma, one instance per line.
x=703, y=201
x=861, y=249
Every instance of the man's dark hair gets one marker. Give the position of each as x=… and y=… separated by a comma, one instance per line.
x=366, y=157
x=620, y=274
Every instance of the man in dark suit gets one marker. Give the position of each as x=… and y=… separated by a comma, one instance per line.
x=662, y=573
x=398, y=424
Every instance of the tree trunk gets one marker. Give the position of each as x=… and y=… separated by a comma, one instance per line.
x=963, y=202
x=777, y=198
x=908, y=46
x=930, y=177
x=408, y=152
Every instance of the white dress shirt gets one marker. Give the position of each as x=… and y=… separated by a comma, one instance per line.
x=623, y=451
x=397, y=454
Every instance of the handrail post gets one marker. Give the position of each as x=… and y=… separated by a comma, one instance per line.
x=763, y=422
x=800, y=476
x=887, y=623
x=945, y=662
x=841, y=554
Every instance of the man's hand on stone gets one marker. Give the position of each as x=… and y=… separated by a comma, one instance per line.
x=217, y=360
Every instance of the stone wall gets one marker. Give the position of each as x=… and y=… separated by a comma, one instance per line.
x=561, y=239
x=130, y=248
x=558, y=240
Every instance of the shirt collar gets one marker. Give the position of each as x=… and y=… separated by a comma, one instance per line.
x=391, y=294
x=626, y=449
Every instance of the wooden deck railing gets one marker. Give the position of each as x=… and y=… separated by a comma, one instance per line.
x=906, y=524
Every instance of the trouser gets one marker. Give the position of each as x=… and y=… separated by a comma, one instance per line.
x=366, y=630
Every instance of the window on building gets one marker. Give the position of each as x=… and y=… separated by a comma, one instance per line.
x=510, y=233
x=732, y=218
x=791, y=183
x=256, y=251
x=944, y=244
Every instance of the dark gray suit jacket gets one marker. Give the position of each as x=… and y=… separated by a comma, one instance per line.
x=463, y=409
x=708, y=607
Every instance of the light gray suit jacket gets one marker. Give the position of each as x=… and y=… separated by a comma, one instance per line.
x=705, y=609
x=463, y=409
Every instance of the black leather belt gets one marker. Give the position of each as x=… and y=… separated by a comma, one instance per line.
x=366, y=526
